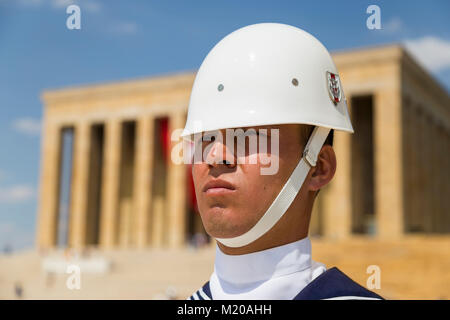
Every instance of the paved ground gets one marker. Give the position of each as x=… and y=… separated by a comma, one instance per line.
x=414, y=268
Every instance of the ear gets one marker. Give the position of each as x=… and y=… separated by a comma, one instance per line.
x=324, y=170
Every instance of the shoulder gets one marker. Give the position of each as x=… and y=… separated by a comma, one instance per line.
x=333, y=284
x=202, y=294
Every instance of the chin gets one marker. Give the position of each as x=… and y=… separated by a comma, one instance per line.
x=224, y=234
x=223, y=223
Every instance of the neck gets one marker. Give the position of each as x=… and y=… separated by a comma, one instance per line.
x=261, y=244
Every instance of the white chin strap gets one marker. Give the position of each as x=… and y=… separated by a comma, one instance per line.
x=287, y=194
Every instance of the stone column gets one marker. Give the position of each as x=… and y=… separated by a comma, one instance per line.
x=79, y=196
x=176, y=190
x=408, y=161
x=427, y=150
x=443, y=220
x=434, y=171
x=417, y=196
x=337, y=200
x=443, y=163
x=49, y=183
x=388, y=162
x=413, y=214
x=143, y=179
x=110, y=184
x=421, y=181
x=445, y=178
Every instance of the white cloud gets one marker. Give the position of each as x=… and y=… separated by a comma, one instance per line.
x=16, y=194
x=432, y=52
x=393, y=26
x=28, y=126
x=123, y=28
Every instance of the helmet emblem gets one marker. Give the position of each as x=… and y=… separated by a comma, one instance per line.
x=334, y=87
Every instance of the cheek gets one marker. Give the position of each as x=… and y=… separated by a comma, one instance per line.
x=258, y=188
x=266, y=187
x=198, y=172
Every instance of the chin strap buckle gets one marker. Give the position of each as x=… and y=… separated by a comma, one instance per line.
x=310, y=157
x=314, y=145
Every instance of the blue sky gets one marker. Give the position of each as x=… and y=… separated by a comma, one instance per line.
x=122, y=40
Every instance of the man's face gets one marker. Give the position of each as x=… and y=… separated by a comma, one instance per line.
x=233, y=197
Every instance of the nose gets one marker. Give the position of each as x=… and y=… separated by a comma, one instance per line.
x=219, y=155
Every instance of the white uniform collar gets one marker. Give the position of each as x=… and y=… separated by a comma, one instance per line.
x=263, y=265
x=276, y=273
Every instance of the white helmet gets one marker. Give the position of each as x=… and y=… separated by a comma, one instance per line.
x=269, y=74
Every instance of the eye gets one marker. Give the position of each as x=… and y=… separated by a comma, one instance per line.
x=208, y=138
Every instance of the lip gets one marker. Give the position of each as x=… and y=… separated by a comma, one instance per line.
x=218, y=187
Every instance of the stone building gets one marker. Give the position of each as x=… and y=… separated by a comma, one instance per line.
x=123, y=190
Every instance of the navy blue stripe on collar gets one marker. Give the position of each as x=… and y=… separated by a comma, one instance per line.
x=206, y=290
x=200, y=293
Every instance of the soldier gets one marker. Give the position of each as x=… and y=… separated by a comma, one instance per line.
x=278, y=82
